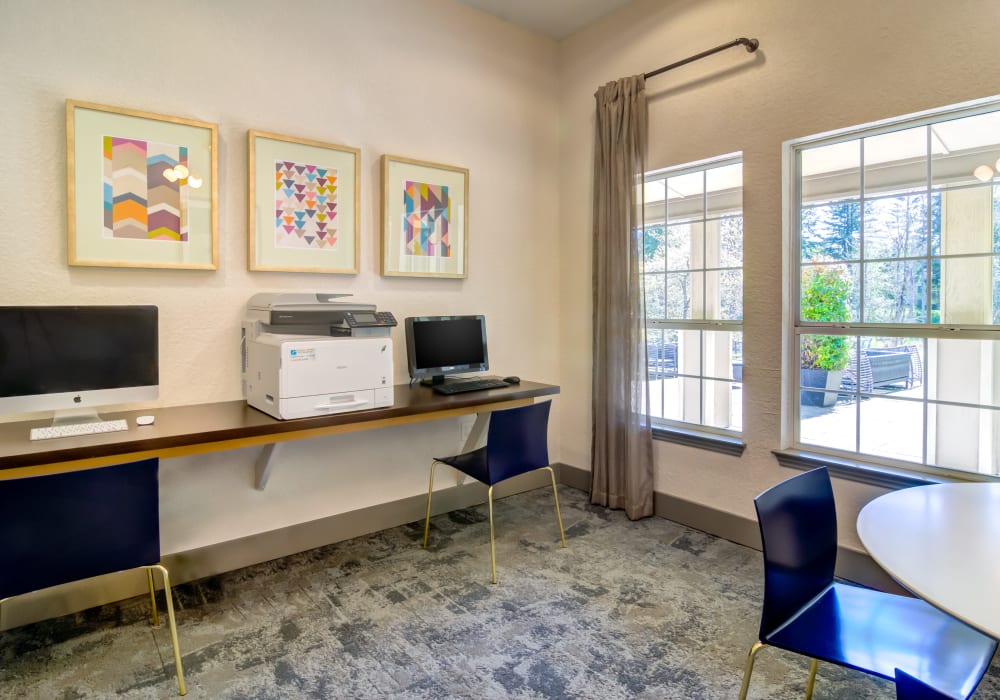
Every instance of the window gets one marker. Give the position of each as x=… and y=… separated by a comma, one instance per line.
x=693, y=274
x=896, y=274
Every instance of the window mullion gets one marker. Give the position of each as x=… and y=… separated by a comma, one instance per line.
x=674, y=388
x=945, y=389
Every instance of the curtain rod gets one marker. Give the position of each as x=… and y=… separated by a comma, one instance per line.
x=751, y=45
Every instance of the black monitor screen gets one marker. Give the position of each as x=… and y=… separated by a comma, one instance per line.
x=55, y=349
x=437, y=345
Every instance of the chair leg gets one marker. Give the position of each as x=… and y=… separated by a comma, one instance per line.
x=748, y=669
x=430, y=490
x=493, y=550
x=555, y=494
x=152, y=598
x=173, y=627
x=812, y=678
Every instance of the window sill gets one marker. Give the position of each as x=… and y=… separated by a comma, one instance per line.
x=883, y=477
x=702, y=441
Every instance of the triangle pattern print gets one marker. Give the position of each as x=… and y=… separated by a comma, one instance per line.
x=305, y=206
x=426, y=213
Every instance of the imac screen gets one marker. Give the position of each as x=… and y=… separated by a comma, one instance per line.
x=48, y=351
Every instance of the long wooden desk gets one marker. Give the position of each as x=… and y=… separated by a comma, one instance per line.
x=211, y=427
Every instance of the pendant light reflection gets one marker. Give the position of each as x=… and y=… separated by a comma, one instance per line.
x=180, y=172
x=984, y=173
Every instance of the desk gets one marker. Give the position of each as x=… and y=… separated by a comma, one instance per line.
x=188, y=430
x=942, y=542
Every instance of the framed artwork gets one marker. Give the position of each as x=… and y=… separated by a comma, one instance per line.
x=303, y=208
x=425, y=218
x=141, y=189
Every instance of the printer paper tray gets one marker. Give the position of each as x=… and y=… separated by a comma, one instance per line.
x=328, y=404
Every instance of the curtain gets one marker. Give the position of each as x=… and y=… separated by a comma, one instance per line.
x=622, y=443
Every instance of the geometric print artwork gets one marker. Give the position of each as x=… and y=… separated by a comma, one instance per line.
x=139, y=201
x=305, y=206
x=426, y=213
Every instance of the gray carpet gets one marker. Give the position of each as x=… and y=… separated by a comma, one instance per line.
x=647, y=609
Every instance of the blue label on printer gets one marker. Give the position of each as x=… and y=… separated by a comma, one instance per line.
x=302, y=354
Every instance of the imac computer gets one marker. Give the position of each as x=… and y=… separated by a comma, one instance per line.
x=440, y=345
x=74, y=359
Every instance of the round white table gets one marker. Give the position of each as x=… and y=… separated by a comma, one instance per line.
x=942, y=542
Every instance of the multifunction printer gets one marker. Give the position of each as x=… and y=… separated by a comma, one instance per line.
x=312, y=354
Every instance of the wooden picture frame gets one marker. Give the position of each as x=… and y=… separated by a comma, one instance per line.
x=303, y=205
x=425, y=219
x=141, y=189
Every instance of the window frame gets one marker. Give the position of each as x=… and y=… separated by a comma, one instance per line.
x=794, y=452
x=724, y=440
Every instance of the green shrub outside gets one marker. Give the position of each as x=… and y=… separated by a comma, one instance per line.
x=825, y=291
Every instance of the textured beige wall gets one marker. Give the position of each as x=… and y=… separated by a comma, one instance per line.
x=431, y=79
x=821, y=66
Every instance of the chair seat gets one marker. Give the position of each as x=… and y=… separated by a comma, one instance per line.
x=472, y=463
x=877, y=633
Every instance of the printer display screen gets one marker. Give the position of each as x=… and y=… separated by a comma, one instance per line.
x=364, y=318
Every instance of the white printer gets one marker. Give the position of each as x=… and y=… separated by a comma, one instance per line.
x=307, y=354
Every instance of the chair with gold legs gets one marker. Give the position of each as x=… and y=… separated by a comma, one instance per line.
x=516, y=443
x=909, y=688
x=806, y=611
x=58, y=528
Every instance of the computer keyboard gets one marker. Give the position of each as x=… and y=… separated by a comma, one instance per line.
x=72, y=429
x=463, y=385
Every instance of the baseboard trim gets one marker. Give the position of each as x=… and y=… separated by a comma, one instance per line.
x=572, y=476
x=852, y=565
x=235, y=554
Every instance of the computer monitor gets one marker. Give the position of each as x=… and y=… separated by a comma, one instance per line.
x=440, y=345
x=68, y=358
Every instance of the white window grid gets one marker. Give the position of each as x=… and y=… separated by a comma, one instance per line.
x=925, y=331
x=704, y=324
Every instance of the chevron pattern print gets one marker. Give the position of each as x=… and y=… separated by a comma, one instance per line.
x=139, y=201
x=305, y=206
x=426, y=213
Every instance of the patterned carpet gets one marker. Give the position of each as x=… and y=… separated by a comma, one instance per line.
x=646, y=609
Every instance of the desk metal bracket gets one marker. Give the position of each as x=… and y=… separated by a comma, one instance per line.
x=265, y=460
x=262, y=468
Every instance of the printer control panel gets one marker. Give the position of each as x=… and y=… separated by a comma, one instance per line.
x=369, y=319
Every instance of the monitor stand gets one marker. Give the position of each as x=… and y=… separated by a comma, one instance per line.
x=76, y=417
x=436, y=379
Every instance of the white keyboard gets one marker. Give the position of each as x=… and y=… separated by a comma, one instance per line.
x=72, y=429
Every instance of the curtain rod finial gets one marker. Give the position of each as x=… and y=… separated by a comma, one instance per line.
x=751, y=44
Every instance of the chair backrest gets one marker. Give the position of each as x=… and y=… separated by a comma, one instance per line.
x=58, y=528
x=517, y=441
x=909, y=688
x=798, y=532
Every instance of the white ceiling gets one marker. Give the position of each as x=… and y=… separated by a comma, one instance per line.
x=556, y=19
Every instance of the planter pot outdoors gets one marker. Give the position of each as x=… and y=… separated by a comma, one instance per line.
x=820, y=379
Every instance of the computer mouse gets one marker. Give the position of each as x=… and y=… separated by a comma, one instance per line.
x=512, y=380
x=144, y=420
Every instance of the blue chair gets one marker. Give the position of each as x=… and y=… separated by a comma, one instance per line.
x=909, y=688
x=516, y=443
x=807, y=612
x=58, y=528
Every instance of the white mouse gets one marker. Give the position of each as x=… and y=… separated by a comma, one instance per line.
x=144, y=420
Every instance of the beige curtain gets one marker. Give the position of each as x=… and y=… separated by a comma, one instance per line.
x=622, y=447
